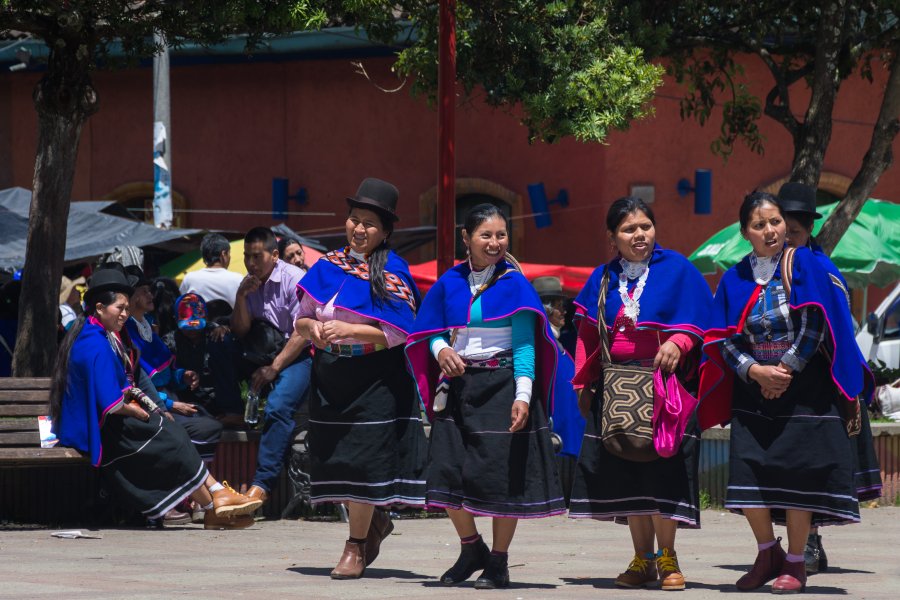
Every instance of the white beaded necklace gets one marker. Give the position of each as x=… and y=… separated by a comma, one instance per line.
x=632, y=270
x=478, y=279
x=764, y=268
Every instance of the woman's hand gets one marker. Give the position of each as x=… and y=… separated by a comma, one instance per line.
x=131, y=409
x=190, y=379
x=774, y=380
x=519, y=415
x=218, y=334
x=183, y=408
x=311, y=329
x=337, y=330
x=450, y=362
x=667, y=357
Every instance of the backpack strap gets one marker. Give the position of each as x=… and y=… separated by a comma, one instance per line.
x=787, y=270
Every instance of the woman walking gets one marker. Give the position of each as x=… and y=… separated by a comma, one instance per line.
x=484, y=359
x=98, y=409
x=783, y=368
x=366, y=439
x=654, y=315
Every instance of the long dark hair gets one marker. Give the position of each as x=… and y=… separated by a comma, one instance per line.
x=165, y=293
x=60, y=377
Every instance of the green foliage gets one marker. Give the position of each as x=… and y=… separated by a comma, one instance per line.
x=702, y=39
x=561, y=61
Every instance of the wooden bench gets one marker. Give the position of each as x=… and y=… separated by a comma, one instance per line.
x=22, y=401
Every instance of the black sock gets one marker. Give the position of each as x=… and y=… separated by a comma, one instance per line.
x=354, y=540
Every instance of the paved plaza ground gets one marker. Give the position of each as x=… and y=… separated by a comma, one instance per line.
x=550, y=558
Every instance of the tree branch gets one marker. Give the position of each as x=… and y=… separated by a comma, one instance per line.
x=878, y=158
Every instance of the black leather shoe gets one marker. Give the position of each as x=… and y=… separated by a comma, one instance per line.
x=472, y=557
x=496, y=574
x=823, y=558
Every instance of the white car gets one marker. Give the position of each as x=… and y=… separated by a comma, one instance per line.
x=879, y=338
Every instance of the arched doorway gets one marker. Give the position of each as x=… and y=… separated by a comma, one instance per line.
x=471, y=191
x=832, y=187
x=138, y=195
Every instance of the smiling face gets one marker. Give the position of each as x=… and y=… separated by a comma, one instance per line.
x=113, y=317
x=365, y=231
x=796, y=233
x=765, y=230
x=488, y=243
x=634, y=237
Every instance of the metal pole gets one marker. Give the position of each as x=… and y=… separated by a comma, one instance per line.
x=446, y=197
x=162, y=147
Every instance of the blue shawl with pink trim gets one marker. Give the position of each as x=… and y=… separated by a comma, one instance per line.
x=811, y=286
x=447, y=306
x=326, y=278
x=96, y=384
x=155, y=355
x=676, y=298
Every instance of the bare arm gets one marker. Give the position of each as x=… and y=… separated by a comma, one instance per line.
x=240, y=318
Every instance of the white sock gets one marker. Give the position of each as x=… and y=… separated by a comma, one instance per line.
x=208, y=506
x=216, y=487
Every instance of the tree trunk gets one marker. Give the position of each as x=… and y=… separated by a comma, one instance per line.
x=64, y=99
x=878, y=158
x=813, y=136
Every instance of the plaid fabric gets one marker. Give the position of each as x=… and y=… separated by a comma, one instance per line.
x=771, y=320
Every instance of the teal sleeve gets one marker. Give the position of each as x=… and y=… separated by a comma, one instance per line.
x=523, y=343
x=445, y=336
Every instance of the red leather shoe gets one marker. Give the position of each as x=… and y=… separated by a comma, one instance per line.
x=766, y=568
x=792, y=579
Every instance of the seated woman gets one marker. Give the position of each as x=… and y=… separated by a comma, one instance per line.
x=97, y=408
x=159, y=363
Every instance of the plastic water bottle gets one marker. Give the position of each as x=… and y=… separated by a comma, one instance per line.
x=251, y=412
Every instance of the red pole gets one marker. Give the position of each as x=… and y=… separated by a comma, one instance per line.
x=446, y=198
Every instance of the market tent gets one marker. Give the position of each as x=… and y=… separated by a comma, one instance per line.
x=867, y=254
x=192, y=261
x=572, y=278
x=90, y=233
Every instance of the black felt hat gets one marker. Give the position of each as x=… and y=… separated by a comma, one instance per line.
x=796, y=197
x=136, y=276
x=107, y=280
x=378, y=195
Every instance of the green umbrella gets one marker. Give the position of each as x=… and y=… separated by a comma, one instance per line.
x=868, y=253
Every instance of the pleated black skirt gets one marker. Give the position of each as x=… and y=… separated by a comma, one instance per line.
x=793, y=452
x=366, y=439
x=152, y=465
x=477, y=465
x=868, y=470
x=609, y=488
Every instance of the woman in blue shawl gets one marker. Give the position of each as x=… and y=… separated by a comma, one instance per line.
x=484, y=359
x=366, y=440
x=97, y=408
x=798, y=203
x=655, y=311
x=159, y=363
x=782, y=366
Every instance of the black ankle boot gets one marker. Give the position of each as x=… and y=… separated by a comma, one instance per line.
x=823, y=558
x=472, y=557
x=496, y=573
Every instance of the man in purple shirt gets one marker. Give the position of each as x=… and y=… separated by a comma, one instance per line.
x=268, y=292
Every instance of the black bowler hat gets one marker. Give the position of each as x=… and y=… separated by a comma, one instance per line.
x=136, y=276
x=377, y=195
x=796, y=197
x=107, y=280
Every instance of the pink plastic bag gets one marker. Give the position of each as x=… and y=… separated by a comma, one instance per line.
x=672, y=408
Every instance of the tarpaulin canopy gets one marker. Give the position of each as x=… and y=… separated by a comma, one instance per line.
x=572, y=278
x=90, y=233
x=867, y=254
x=192, y=261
